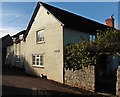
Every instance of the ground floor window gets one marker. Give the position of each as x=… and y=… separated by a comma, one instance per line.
x=37, y=60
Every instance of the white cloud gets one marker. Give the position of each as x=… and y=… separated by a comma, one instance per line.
x=11, y=31
x=4, y=15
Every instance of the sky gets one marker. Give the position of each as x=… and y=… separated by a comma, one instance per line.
x=15, y=16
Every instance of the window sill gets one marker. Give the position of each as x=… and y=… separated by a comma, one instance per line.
x=40, y=42
x=37, y=66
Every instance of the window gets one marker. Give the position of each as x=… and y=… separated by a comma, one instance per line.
x=40, y=36
x=92, y=37
x=21, y=36
x=14, y=39
x=17, y=59
x=37, y=60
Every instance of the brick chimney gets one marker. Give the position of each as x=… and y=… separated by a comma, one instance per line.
x=110, y=21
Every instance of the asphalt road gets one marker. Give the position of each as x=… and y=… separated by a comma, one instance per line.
x=16, y=83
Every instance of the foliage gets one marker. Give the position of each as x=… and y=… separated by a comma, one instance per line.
x=85, y=53
x=108, y=41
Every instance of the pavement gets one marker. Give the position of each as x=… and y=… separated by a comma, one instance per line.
x=16, y=83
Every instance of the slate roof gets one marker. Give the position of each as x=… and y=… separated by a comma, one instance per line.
x=20, y=33
x=6, y=41
x=70, y=20
x=74, y=21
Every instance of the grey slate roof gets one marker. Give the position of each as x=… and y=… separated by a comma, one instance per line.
x=69, y=20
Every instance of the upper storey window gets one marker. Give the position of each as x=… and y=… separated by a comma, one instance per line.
x=40, y=36
x=92, y=38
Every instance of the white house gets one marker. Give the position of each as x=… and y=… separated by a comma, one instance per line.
x=39, y=48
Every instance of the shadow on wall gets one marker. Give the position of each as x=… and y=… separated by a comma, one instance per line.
x=20, y=62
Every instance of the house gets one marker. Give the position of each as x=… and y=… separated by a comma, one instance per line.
x=6, y=41
x=39, y=48
x=16, y=50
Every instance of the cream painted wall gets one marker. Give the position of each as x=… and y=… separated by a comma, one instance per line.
x=53, y=34
x=73, y=36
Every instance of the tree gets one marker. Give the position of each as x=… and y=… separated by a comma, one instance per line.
x=108, y=41
x=85, y=53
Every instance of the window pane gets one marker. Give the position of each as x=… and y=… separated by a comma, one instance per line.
x=41, y=33
x=41, y=60
x=37, y=63
x=93, y=37
x=37, y=56
x=41, y=64
x=90, y=37
x=41, y=57
x=37, y=60
x=33, y=58
x=33, y=62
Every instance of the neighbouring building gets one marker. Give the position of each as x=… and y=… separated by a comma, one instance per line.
x=6, y=42
x=39, y=48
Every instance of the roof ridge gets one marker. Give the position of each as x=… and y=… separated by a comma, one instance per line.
x=69, y=19
x=68, y=12
x=19, y=33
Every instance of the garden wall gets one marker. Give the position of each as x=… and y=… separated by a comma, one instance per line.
x=118, y=82
x=83, y=78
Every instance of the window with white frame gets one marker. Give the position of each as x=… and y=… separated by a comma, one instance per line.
x=37, y=60
x=92, y=37
x=40, y=36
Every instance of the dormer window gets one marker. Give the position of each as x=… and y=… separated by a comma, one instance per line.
x=14, y=39
x=21, y=37
x=40, y=36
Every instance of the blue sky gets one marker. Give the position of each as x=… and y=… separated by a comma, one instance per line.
x=16, y=16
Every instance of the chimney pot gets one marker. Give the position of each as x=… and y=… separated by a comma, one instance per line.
x=110, y=21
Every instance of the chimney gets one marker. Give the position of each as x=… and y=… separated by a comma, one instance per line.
x=110, y=21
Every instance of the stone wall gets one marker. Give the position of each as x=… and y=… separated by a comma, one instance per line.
x=118, y=82
x=83, y=78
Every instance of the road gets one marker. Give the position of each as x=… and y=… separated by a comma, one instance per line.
x=15, y=82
